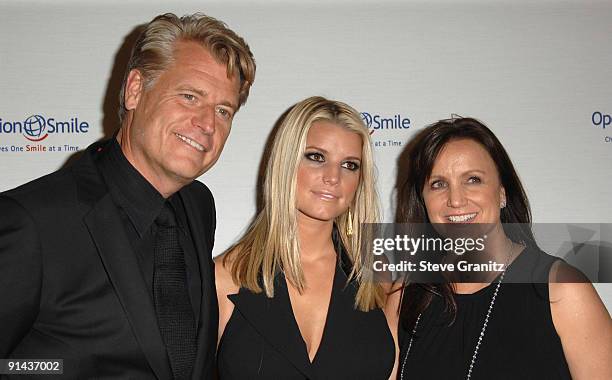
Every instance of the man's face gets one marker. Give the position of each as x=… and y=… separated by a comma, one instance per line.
x=179, y=125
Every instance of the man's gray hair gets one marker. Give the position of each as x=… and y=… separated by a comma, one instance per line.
x=154, y=50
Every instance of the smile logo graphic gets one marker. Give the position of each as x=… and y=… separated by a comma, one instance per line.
x=34, y=128
x=367, y=120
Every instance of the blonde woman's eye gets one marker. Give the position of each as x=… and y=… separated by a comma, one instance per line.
x=318, y=157
x=350, y=165
x=189, y=97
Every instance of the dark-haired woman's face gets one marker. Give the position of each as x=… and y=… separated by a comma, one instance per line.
x=464, y=185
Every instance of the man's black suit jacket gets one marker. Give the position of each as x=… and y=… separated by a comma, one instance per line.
x=70, y=284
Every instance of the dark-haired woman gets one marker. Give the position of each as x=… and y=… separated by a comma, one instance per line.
x=457, y=172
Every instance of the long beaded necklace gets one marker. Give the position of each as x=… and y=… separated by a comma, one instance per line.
x=482, y=331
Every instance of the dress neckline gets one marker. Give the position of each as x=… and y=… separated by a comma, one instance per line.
x=489, y=288
x=328, y=316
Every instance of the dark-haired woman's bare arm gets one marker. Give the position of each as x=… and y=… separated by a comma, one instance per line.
x=583, y=324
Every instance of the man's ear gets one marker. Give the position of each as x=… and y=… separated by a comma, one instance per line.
x=133, y=89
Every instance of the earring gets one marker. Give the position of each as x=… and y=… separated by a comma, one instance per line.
x=349, y=223
x=503, y=204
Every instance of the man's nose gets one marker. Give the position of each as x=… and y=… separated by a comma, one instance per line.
x=205, y=120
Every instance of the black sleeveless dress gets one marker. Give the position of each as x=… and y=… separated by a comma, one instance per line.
x=262, y=339
x=520, y=341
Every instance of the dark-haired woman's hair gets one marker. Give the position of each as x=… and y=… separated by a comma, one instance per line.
x=414, y=168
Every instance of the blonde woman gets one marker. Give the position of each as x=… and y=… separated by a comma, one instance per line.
x=296, y=300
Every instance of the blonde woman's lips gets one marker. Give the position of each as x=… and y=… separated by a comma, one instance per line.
x=325, y=195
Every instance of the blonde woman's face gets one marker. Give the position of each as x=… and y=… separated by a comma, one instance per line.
x=329, y=172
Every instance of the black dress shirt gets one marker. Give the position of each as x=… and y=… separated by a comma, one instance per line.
x=139, y=203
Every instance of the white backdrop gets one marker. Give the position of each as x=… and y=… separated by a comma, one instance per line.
x=538, y=73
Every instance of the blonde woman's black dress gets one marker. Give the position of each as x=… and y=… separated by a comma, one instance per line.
x=262, y=339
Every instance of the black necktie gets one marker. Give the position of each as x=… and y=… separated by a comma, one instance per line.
x=172, y=305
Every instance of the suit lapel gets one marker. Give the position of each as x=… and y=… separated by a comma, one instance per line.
x=274, y=321
x=207, y=332
x=105, y=228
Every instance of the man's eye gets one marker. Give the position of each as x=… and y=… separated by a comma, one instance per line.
x=474, y=179
x=189, y=97
x=350, y=165
x=318, y=157
x=224, y=113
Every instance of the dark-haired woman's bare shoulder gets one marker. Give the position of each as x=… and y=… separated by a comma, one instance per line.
x=562, y=272
x=582, y=323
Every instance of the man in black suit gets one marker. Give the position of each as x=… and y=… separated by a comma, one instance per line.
x=106, y=264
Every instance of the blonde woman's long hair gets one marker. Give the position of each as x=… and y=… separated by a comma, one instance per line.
x=271, y=243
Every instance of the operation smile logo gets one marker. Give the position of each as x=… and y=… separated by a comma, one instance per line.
x=37, y=128
x=376, y=122
x=602, y=120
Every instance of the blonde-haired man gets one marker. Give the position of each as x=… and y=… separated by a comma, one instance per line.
x=107, y=264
